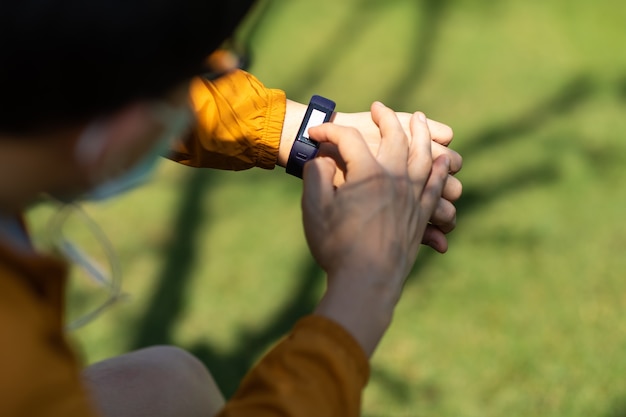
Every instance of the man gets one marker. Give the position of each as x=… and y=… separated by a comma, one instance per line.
x=91, y=92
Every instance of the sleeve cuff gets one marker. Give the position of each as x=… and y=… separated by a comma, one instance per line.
x=332, y=330
x=239, y=124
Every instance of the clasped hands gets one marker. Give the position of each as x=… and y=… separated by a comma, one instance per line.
x=366, y=232
x=443, y=220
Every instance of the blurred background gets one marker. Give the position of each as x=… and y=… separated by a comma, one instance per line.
x=525, y=315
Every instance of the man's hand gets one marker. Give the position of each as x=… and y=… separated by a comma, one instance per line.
x=366, y=232
x=443, y=220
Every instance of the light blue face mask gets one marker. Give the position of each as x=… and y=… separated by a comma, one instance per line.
x=176, y=122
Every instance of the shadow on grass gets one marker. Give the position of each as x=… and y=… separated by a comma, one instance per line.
x=364, y=13
x=167, y=303
x=557, y=105
x=617, y=409
x=424, y=41
x=229, y=367
x=560, y=104
x=621, y=88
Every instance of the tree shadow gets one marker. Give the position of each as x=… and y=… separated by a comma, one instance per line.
x=365, y=13
x=564, y=101
x=168, y=301
x=621, y=88
x=424, y=42
x=573, y=93
x=557, y=105
x=230, y=367
x=617, y=409
x=180, y=254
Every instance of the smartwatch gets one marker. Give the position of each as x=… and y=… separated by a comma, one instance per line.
x=320, y=111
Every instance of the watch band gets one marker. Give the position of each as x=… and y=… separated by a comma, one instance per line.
x=320, y=111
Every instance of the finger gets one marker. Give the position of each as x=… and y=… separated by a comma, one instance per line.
x=431, y=194
x=440, y=132
x=444, y=216
x=331, y=151
x=456, y=161
x=420, y=161
x=453, y=189
x=435, y=238
x=318, y=189
x=394, y=144
x=360, y=163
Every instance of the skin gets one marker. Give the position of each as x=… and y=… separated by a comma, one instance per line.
x=156, y=381
x=366, y=233
x=443, y=220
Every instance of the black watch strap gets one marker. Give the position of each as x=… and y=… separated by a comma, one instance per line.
x=320, y=111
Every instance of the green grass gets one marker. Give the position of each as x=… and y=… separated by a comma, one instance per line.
x=525, y=314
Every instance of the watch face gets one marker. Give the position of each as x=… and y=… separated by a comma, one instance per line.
x=317, y=118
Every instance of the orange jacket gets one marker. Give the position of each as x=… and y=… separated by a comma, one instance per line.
x=239, y=124
x=318, y=369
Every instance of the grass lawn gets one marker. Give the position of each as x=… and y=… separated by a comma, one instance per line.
x=524, y=316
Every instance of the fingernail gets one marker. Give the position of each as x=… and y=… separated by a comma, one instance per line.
x=379, y=104
x=421, y=116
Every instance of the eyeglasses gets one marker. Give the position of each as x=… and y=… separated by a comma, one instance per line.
x=79, y=239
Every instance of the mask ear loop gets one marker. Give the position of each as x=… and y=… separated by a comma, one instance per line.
x=74, y=254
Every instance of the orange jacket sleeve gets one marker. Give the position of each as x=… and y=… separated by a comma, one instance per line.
x=317, y=370
x=239, y=123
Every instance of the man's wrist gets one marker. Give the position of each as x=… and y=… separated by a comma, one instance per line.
x=319, y=111
x=294, y=113
x=364, y=311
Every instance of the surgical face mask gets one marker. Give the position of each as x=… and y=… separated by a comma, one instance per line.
x=176, y=122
